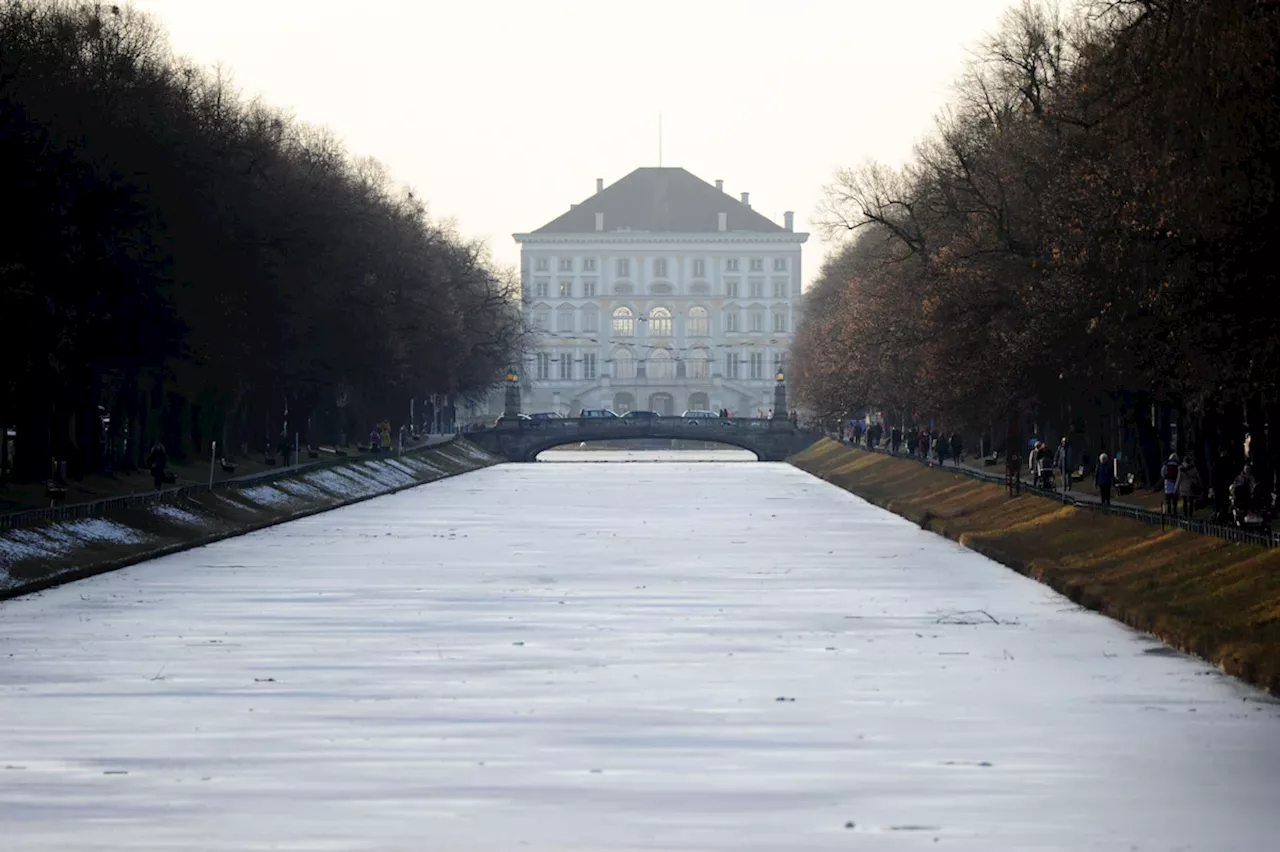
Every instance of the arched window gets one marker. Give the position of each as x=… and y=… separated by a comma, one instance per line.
x=699, y=322
x=660, y=365
x=699, y=365
x=660, y=322
x=624, y=322
x=624, y=363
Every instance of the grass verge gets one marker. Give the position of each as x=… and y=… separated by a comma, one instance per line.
x=1203, y=595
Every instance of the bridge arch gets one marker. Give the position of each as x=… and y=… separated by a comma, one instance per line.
x=550, y=442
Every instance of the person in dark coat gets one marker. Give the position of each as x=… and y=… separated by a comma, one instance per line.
x=943, y=449
x=957, y=447
x=1103, y=477
x=157, y=461
x=895, y=439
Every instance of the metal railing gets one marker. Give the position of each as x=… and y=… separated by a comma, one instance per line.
x=144, y=499
x=1137, y=513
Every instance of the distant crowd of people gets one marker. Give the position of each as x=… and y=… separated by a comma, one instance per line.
x=1236, y=499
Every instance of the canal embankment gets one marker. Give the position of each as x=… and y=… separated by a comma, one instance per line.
x=1214, y=598
x=65, y=549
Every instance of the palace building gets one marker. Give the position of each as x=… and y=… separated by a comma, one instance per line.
x=659, y=292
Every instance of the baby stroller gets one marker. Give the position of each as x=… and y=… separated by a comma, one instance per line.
x=1044, y=479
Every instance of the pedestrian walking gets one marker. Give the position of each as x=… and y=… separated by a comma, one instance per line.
x=1188, y=485
x=157, y=462
x=1103, y=477
x=943, y=446
x=957, y=448
x=1062, y=463
x=1171, y=484
x=895, y=439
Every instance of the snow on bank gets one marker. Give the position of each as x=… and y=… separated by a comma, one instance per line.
x=316, y=489
x=60, y=539
x=173, y=513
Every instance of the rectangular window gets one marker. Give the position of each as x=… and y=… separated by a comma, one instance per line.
x=777, y=363
x=731, y=321
x=757, y=320
x=731, y=265
x=731, y=289
x=566, y=289
x=699, y=269
x=541, y=287
x=779, y=289
x=660, y=268
x=591, y=320
x=543, y=364
x=566, y=264
x=566, y=365
x=779, y=264
x=541, y=264
x=588, y=288
x=540, y=321
x=589, y=365
x=564, y=321
x=757, y=264
x=624, y=267
x=589, y=264
x=732, y=369
x=757, y=289
x=757, y=365
x=780, y=322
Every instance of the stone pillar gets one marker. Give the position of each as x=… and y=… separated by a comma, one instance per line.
x=780, y=400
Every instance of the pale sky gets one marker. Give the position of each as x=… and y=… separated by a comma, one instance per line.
x=501, y=113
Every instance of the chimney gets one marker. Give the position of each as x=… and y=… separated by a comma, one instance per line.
x=720, y=185
x=599, y=221
x=745, y=196
x=724, y=221
x=789, y=220
x=599, y=184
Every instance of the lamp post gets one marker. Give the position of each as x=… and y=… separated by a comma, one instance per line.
x=511, y=408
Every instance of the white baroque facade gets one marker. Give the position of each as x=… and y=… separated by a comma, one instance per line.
x=659, y=292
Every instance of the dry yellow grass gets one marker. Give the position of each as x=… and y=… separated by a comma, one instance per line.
x=1204, y=595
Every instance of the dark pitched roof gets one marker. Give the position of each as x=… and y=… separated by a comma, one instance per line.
x=661, y=201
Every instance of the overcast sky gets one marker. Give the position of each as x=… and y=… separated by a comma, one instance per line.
x=504, y=112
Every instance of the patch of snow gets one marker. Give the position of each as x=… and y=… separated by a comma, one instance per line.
x=266, y=495
x=62, y=538
x=174, y=513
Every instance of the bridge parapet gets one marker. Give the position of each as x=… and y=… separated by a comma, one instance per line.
x=521, y=440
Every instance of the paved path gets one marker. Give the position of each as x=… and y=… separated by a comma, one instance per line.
x=611, y=657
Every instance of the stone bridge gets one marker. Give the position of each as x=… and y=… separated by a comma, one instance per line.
x=521, y=440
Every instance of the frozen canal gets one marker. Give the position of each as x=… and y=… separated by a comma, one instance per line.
x=585, y=656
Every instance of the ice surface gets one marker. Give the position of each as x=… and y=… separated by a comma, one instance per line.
x=607, y=657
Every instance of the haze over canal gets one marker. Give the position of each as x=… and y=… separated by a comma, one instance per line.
x=676, y=655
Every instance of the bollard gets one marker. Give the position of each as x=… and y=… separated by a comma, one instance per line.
x=213, y=454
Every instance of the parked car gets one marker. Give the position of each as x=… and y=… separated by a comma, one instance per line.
x=598, y=414
x=545, y=415
x=641, y=415
x=698, y=418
